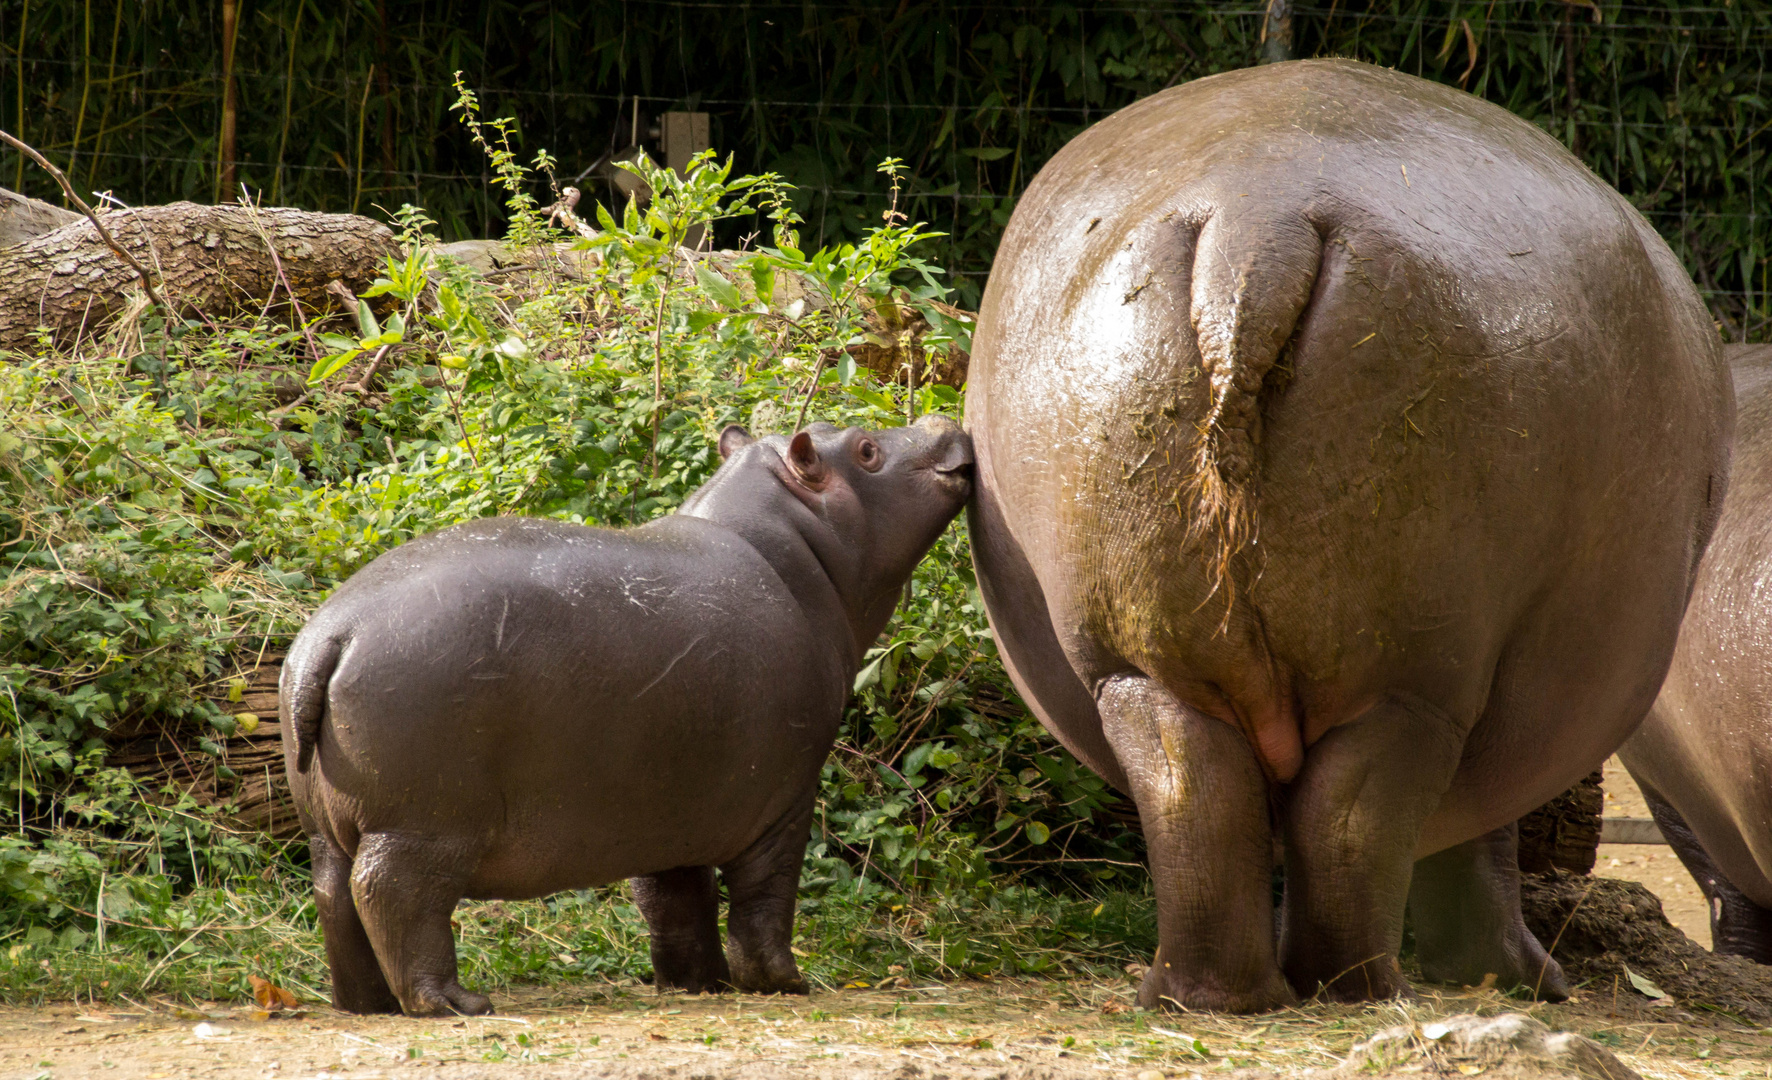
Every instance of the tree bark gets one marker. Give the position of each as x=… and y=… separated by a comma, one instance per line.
x=1565, y=832
x=210, y=260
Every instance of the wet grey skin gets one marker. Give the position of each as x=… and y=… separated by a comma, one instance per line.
x=1703, y=756
x=513, y=707
x=1346, y=451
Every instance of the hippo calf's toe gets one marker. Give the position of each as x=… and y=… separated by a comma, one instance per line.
x=512, y=707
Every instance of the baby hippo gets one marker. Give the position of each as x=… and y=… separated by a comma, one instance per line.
x=1703, y=756
x=513, y=707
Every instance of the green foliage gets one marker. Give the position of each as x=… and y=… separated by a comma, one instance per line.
x=149, y=536
x=1665, y=99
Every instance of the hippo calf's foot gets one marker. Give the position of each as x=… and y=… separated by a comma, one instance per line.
x=1465, y=905
x=446, y=999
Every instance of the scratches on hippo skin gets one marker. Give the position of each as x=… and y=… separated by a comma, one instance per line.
x=687, y=649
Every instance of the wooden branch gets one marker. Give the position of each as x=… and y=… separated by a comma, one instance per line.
x=73, y=197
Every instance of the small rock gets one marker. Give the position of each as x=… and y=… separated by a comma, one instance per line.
x=1470, y=1044
x=1151, y=1074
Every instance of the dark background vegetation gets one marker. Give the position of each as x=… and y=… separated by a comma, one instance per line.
x=344, y=104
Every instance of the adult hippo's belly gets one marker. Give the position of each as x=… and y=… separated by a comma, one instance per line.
x=1703, y=756
x=1345, y=452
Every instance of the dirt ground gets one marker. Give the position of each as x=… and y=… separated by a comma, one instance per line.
x=1006, y=1029
x=1712, y=1021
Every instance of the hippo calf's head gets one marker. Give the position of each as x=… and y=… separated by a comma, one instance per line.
x=877, y=500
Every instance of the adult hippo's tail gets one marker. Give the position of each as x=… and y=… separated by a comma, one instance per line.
x=301, y=691
x=1253, y=272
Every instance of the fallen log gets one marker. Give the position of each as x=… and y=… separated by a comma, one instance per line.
x=255, y=798
x=208, y=260
x=22, y=217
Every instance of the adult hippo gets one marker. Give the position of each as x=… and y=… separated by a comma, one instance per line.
x=1703, y=756
x=512, y=707
x=1345, y=453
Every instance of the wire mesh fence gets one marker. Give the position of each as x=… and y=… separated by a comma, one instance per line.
x=345, y=105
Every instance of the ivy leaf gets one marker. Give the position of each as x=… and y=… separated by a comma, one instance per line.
x=1037, y=833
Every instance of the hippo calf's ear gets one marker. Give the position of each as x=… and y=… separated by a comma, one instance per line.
x=803, y=459
x=733, y=438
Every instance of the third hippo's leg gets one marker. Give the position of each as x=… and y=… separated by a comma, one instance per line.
x=1738, y=926
x=682, y=909
x=761, y=886
x=1203, y=800
x=405, y=890
x=358, y=985
x=1465, y=905
x=1353, y=815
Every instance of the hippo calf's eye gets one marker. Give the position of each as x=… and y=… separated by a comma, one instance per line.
x=867, y=454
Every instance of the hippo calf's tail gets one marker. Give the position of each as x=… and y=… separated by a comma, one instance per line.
x=1252, y=276
x=301, y=690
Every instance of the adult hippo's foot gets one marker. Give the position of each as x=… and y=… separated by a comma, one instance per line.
x=682, y=910
x=1351, y=828
x=1202, y=797
x=761, y=887
x=1738, y=926
x=1464, y=903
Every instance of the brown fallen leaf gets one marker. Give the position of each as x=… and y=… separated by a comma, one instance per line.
x=269, y=996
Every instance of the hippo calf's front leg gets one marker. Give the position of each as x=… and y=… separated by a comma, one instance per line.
x=761, y=886
x=682, y=910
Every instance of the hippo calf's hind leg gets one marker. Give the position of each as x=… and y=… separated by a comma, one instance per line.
x=1738, y=926
x=405, y=890
x=1465, y=905
x=1353, y=815
x=761, y=886
x=358, y=985
x=682, y=910
x=1203, y=800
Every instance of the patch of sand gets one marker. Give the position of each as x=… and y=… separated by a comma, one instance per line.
x=1654, y=866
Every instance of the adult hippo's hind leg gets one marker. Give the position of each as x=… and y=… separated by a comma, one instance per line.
x=761, y=886
x=1203, y=800
x=682, y=909
x=1353, y=815
x=358, y=985
x=405, y=890
x=1464, y=903
x=1738, y=926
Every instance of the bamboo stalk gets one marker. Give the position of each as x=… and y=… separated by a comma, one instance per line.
x=288, y=93
x=24, y=20
x=225, y=166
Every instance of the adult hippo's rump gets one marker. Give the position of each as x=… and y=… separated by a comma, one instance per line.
x=1345, y=452
x=1703, y=756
